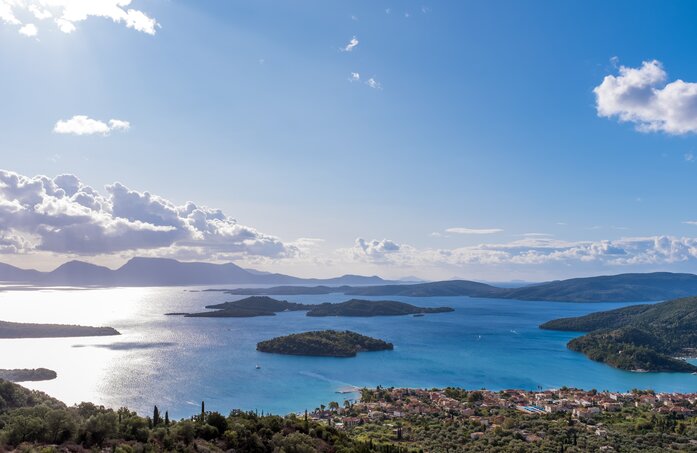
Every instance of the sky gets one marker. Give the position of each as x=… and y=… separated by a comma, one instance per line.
x=490, y=140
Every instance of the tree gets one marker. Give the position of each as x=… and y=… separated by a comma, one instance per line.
x=156, y=416
x=166, y=418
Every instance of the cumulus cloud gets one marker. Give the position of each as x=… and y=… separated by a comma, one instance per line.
x=355, y=77
x=29, y=30
x=460, y=230
x=351, y=45
x=65, y=14
x=644, y=97
x=375, y=250
x=63, y=215
x=83, y=125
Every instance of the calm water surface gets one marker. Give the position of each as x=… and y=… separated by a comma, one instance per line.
x=176, y=362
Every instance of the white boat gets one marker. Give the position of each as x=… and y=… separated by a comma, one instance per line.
x=258, y=367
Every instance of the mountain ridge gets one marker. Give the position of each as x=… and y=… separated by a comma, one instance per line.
x=143, y=272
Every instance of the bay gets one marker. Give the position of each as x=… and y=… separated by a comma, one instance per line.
x=176, y=362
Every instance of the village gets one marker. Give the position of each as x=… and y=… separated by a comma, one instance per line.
x=489, y=409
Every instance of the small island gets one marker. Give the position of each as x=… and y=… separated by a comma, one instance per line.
x=24, y=375
x=22, y=330
x=368, y=308
x=325, y=343
x=648, y=337
x=249, y=307
x=266, y=306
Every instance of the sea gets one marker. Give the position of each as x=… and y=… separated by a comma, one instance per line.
x=176, y=362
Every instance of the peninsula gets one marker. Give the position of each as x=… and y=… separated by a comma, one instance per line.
x=24, y=375
x=325, y=343
x=637, y=338
x=21, y=330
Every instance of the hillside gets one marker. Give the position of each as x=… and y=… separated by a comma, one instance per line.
x=367, y=308
x=609, y=288
x=329, y=343
x=641, y=337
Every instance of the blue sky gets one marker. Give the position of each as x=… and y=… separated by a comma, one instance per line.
x=482, y=116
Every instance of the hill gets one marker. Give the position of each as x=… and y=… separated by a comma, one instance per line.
x=608, y=288
x=367, y=308
x=641, y=337
x=330, y=343
x=611, y=288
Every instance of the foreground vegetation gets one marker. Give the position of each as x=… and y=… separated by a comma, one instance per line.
x=33, y=421
x=383, y=421
x=640, y=338
x=330, y=343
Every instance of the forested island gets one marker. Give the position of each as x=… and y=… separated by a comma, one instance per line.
x=266, y=306
x=26, y=375
x=366, y=308
x=637, y=338
x=325, y=343
x=22, y=330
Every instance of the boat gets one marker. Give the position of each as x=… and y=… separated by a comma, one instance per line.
x=418, y=315
x=258, y=367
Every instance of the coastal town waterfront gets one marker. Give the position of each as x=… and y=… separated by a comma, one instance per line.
x=564, y=419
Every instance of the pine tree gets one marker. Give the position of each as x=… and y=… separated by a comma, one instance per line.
x=166, y=418
x=156, y=416
x=203, y=411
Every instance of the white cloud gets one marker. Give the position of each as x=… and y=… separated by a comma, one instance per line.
x=83, y=125
x=29, y=30
x=373, y=251
x=351, y=45
x=63, y=215
x=689, y=157
x=372, y=83
x=355, y=77
x=67, y=13
x=460, y=230
x=643, y=97
x=534, y=251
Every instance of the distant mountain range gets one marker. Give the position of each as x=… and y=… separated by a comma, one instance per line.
x=168, y=272
x=612, y=288
x=164, y=272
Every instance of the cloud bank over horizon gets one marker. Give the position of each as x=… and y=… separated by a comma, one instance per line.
x=64, y=217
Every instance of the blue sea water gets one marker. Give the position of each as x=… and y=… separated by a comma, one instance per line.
x=176, y=362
